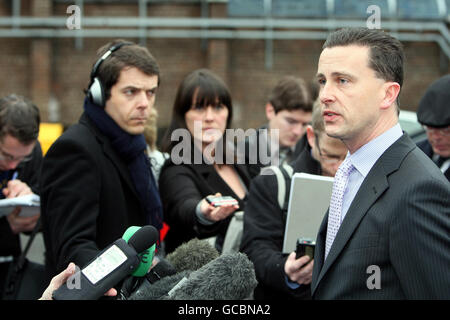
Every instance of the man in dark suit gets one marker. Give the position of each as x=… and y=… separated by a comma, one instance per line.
x=386, y=234
x=434, y=114
x=96, y=178
x=281, y=276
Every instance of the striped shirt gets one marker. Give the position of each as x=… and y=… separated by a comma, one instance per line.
x=364, y=159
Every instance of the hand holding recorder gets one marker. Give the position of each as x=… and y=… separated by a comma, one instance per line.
x=122, y=258
x=299, y=264
x=216, y=208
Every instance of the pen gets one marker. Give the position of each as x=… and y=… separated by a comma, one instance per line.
x=14, y=176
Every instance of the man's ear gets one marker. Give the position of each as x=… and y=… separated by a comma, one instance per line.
x=391, y=92
x=311, y=136
x=270, y=111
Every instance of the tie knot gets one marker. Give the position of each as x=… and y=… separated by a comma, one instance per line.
x=346, y=167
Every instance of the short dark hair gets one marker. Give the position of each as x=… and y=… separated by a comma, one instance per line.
x=386, y=52
x=209, y=90
x=19, y=117
x=291, y=93
x=129, y=55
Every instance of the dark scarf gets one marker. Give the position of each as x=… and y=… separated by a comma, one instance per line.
x=131, y=149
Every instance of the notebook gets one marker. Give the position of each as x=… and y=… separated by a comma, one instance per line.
x=309, y=200
x=30, y=204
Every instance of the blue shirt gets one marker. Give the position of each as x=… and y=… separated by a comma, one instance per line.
x=364, y=159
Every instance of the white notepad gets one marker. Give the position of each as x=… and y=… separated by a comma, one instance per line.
x=309, y=200
x=31, y=205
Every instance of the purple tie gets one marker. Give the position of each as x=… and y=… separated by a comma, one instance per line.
x=337, y=196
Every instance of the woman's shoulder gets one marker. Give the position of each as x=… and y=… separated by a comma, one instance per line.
x=173, y=167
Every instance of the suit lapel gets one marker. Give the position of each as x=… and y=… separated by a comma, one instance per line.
x=319, y=253
x=373, y=186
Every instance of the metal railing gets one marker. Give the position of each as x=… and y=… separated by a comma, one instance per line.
x=205, y=28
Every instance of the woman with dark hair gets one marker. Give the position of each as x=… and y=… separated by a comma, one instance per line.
x=199, y=165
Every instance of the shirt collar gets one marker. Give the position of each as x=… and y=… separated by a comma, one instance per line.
x=365, y=157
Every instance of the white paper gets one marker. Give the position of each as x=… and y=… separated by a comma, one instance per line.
x=111, y=259
x=30, y=204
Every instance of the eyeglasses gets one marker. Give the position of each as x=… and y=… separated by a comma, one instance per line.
x=10, y=158
x=441, y=131
x=327, y=158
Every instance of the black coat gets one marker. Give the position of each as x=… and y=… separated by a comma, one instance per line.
x=425, y=146
x=28, y=172
x=264, y=226
x=182, y=187
x=88, y=199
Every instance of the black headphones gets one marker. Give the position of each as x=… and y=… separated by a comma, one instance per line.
x=96, y=90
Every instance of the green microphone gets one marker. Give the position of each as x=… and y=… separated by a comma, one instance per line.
x=113, y=264
x=146, y=256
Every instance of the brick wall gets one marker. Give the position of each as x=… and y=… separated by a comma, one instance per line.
x=55, y=68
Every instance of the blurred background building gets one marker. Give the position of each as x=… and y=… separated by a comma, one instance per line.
x=251, y=44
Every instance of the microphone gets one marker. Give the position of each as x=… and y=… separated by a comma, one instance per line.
x=192, y=255
x=146, y=256
x=131, y=284
x=161, y=278
x=110, y=266
x=231, y=276
x=155, y=291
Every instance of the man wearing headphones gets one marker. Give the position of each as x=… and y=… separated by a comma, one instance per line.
x=96, y=178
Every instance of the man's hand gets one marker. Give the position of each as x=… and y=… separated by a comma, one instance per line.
x=299, y=270
x=58, y=280
x=21, y=224
x=17, y=188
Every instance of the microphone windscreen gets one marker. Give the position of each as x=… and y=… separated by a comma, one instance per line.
x=144, y=238
x=159, y=289
x=192, y=255
x=231, y=276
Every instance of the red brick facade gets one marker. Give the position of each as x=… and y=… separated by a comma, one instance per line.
x=54, y=70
